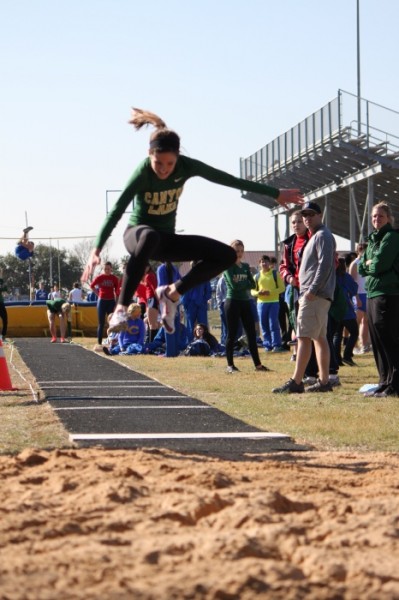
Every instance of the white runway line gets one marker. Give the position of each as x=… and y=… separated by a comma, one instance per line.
x=115, y=397
x=256, y=435
x=97, y=381
x=133, y=407
x=100, y=387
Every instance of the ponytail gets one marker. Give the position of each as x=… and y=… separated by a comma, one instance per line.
x=162, y=139
x=140, y=118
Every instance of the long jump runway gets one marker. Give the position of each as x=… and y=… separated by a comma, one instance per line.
x=103, y=403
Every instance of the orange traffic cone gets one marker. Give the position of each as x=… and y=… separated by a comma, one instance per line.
x=5, y=381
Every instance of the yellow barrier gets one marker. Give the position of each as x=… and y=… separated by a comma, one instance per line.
x=31, y=321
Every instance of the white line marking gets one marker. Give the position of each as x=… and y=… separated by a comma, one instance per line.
x=101, y=387
x=151, y=397
x=149, y=381
x=131, y=407
x=170, y=436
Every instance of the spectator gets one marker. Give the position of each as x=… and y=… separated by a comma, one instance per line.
x=380, y=265
x=106, y=285
x=361, y=301
x=269, y=286
x=349, y=287
x=239, y=281
x=55, y=293
x=203, y=342
x=195, y=303
x=317, y=285
x=221, y=293
x=75, y=295
x=168, y=273
x=289, y=268
x=150, y=284
x=91, y=296
x=41, y=294
x=130, y=340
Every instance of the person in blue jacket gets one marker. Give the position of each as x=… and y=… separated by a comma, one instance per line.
x=195, y=303
x=349, y=321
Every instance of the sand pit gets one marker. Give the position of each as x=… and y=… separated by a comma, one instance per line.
x=160, y=525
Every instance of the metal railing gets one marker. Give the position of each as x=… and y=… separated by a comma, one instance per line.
x=336, y=121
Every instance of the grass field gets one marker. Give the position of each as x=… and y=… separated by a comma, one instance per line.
x=343, y=419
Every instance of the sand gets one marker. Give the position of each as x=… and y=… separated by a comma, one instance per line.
x=154, y=524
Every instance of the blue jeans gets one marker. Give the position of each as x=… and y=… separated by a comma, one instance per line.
x=269, y=323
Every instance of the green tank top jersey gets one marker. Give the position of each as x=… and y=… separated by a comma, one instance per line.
x=155, y=200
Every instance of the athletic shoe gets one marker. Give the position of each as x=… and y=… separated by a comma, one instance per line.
x=349, y=362
x=106, y=351
x=27, y=230
x=232, y=369
x=63, y=341
x=261, y=368
x=279, y=349
x=168, y=309
x=320, y=387
x=309, y=380
x=334, y=380
x=290, y=387
x=118, y=322
x=53, y=340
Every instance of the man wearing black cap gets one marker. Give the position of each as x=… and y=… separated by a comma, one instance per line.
x=316, y=284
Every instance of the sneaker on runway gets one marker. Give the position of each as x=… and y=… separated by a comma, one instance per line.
x=290, y=387
x=168, y=309
x=118, y=321
x=63, y=341
x=53, y=340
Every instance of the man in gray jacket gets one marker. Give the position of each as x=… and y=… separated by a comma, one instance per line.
x=316, y=287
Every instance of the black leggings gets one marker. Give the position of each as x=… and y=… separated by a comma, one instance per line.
x=236, y=310
x=144, y=243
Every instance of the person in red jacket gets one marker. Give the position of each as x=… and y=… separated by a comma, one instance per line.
x=150, y=283
x=106, y=286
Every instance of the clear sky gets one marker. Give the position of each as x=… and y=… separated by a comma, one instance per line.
x=229, y=76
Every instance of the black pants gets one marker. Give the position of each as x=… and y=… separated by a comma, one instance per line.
x=236, y=310
x=144, y=243
x=383, y=318
x=4, y=318
x=353, y=329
